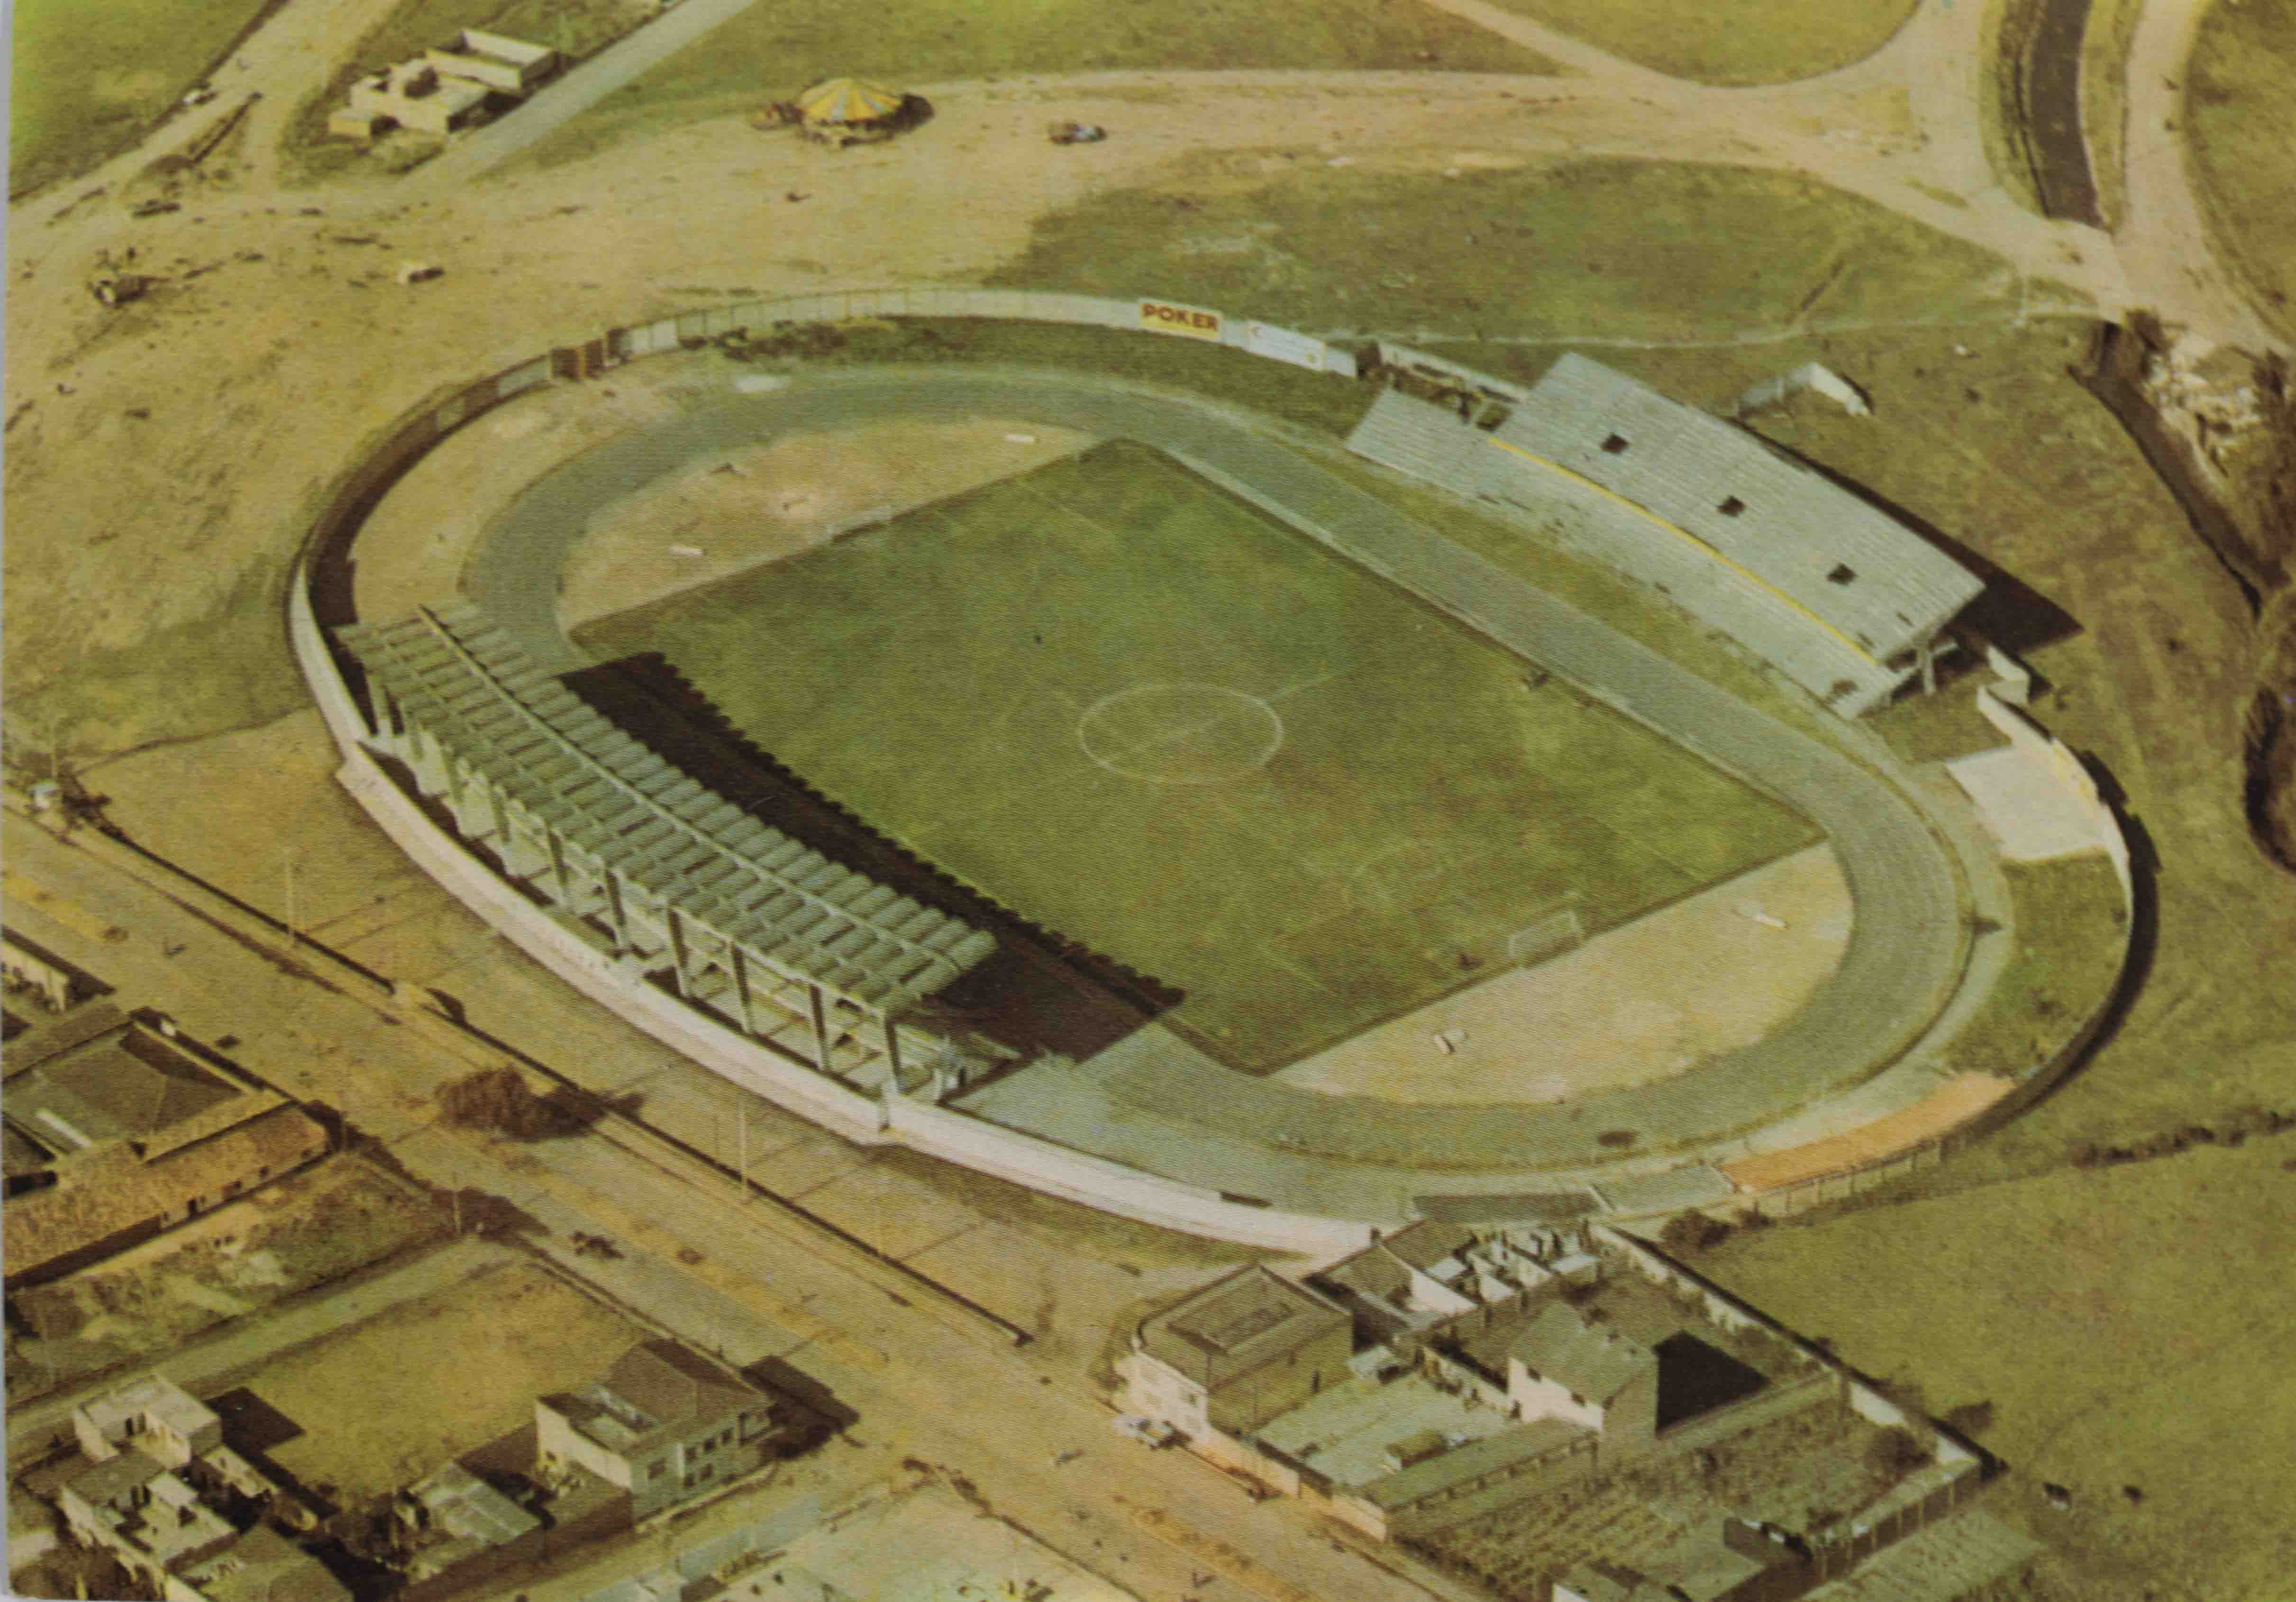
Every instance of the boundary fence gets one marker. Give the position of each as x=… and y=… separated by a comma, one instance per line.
x=319, y=596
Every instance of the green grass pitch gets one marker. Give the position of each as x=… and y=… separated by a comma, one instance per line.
x=1139, y=711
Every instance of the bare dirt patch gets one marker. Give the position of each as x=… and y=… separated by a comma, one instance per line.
x=1636, y=1004
x=304, y=1231
x=770, y=501
x=382, y=1401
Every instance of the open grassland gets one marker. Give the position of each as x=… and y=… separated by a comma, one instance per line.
x=87, y=80
x=1729, y=41
x=575, y=29
x=382, y=1401
x=1145, y=715
x=2070, y=932
x=2129, y=1327
x=1623, y=250
x=1962, y=1278
x=772, y=51
x=2238, y=87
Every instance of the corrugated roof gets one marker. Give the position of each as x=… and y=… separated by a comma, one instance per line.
x=1536, y=1439
x=610, y=800
x=1815, y=544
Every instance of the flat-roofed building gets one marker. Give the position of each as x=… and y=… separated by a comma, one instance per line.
x=1238, y=1352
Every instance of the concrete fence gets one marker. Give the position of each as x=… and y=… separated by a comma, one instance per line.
x=957, y=1138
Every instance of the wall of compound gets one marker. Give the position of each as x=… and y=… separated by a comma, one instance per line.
x=957, y=1138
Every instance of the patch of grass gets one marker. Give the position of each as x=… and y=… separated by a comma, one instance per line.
x=390, y=1397
x=2008, y=31
x=2104, y=101
x=1625, y=250
x=229, y=669
x=86, y=81
x=771, y=51
x=575, y=29
x=1170, y=727
x=1936, y=729
x=1317, y=401
x=1729, y=41
x=2238, y=86
x=2126, y=1324
x=2070, y=928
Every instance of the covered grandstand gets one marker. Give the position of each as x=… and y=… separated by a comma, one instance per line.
x=1845, y=600
x=765, y=931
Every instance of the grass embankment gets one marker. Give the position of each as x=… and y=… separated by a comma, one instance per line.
x=228, y=669
x=2104, y=101
x=2239, y=85
x=771, y=51
x=574, y=28
x=2127, y=1324
x=2007, y=32
x=1729, y=41
x=2071, y=930
x=1600, y=247
x=86, y=81
x=1175, y=730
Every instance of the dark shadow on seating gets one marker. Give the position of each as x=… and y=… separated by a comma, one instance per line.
x=1038, y=992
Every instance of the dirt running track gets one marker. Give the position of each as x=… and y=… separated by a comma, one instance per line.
x=1153, y=1098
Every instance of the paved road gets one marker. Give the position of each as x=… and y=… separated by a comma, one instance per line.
x=1156, y=1102
x=571, y=95
x=2052, y=88
x=697, y=1264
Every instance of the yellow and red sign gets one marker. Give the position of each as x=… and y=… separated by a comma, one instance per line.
x=1190, y=322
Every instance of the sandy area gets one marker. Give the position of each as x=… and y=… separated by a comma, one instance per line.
x=382, y=1402
x=1636, y=1004
x=720, y=517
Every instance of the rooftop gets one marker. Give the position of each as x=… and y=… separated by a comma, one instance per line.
x=657, y=1392
x=1345, y=1432
x=1239, y=1322
x=1587, y=1358
x=153, y=1398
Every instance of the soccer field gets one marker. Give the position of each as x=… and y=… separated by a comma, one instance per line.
x=1140, y=712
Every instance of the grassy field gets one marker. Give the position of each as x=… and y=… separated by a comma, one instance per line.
x=2070, y=930
x=2124, y=1324
x=393, y=1396
x=771, y=51
x=1729, y=41
x=1176, y=731
x=87, y=80
x=2238, y=86
x=1623, y=250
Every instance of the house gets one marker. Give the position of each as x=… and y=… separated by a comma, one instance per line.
x=506, y=65
x=1564, y=1365
x=412, y=95
x=1237, y=1353
x=455, y=1529
x=665, y=1423
x=141, y=1129
x=156, y=1485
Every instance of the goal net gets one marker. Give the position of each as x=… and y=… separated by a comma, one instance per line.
x=1557, y=931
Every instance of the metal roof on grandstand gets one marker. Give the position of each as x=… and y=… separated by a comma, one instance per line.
x=455, y=674
x=1851, y=566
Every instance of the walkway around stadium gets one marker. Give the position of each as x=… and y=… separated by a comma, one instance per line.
x=1156, y=1103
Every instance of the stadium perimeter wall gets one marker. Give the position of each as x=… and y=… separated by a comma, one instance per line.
x=957, y=1138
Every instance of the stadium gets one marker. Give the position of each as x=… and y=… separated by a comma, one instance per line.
x=1110, y=789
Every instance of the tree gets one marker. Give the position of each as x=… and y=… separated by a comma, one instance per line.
x=498, y=1099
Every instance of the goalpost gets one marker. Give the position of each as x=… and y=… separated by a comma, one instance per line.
x=1555, y=931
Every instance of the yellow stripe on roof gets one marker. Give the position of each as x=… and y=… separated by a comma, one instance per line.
x=1682, y=533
